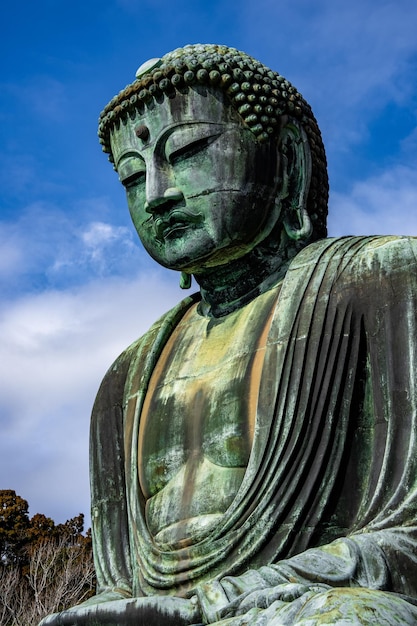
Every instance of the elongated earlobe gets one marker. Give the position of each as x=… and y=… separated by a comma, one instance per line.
x=296, y=175
x=185, y=280
x=297, y=223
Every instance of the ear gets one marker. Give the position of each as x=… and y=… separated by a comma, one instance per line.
x=295, y=175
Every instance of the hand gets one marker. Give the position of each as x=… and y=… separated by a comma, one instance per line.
x=252, y=602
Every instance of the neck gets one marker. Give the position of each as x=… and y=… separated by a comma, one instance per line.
x=228, y=287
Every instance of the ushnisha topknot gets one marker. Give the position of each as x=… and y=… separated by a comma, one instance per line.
x=259, y=95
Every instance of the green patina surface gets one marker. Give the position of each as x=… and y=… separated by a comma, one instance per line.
x=253, y=455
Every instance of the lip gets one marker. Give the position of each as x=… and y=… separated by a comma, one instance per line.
x=175, y=222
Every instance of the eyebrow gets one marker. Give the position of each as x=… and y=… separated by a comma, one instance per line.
x=178, y=126
x=166, y=133
x=128, y=153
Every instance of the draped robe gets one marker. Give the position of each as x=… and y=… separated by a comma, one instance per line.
x=330, y=490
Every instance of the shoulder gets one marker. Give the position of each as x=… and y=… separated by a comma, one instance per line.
x=115, y=376
x=385, y=255
x=362, y=258
x=359, y=269
x=362, y=248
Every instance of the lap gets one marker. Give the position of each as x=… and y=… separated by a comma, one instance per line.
x=337, y=607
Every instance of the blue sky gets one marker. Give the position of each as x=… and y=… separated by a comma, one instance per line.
x=77, y=288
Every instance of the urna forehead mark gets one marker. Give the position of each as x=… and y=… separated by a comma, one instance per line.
x=142, y=132
x=186, y=112
x=259, y=95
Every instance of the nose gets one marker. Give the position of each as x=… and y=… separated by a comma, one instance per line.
x=160, y=188
x=171, y=194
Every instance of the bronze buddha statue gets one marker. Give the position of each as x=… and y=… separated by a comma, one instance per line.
x=253, y=456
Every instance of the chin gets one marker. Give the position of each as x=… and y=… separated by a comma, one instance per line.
x=182, y=256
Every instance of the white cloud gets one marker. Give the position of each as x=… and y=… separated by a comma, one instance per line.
x=348, y=58
x=11, y=252
x=382, y=205
x=34, y=239
x=47, y=245
x=100, y=238
x=99, y=233
x=56, y=347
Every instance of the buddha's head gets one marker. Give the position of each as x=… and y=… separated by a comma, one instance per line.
x=218, y=154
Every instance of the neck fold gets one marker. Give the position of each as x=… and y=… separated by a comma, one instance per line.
x=228, y=287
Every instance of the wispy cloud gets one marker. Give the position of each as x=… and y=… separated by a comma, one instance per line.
x=103, y=241
x=11, y=253
x=46, y=96
x=349, y=59
x=56, y=347
x=75, y=288
x=46, y=246
x=381, y=205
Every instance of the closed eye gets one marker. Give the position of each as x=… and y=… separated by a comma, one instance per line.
x=134, y=180
x=190, y=149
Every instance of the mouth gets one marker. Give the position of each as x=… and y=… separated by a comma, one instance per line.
x=172, y=224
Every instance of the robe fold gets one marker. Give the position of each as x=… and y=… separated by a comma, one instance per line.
x=330, y=490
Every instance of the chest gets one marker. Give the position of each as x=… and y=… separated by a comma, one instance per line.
x=202, y=397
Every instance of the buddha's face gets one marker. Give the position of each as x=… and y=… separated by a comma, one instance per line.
x=201, y=190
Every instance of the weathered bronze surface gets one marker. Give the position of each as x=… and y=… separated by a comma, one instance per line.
x=253, y=456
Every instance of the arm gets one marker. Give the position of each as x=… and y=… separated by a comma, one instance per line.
x=108, y=485
x=164, y=611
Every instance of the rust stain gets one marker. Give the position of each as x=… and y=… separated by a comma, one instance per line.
x=194, y=443
x=128, y=430
x=154, y=382
x=256, y=370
